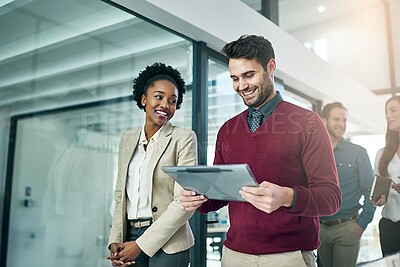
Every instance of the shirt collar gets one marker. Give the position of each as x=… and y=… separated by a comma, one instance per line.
x=341, y=144
x=268, y=107
x=154, y=138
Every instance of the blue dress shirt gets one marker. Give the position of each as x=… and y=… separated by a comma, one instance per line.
x=355, y=179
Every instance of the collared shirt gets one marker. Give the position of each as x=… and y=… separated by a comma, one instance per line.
x=267, y=108
x=138, y=185
x=391, y=210
x=355, y=179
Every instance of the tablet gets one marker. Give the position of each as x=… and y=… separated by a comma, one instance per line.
x=380, y=186
x=221, y=182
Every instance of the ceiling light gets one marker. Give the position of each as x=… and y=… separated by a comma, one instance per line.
x=321, y=9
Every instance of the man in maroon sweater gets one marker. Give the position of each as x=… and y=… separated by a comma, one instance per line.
x=290, y=154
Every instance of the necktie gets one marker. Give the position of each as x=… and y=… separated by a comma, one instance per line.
x=255, y=120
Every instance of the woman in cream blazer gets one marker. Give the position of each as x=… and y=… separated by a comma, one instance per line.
x=149, y=226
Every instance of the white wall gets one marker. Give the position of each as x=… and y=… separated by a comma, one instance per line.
x=356, y=44
x=395, y=16
x=372, y=143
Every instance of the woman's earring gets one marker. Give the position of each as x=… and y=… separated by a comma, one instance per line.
x=143, y=104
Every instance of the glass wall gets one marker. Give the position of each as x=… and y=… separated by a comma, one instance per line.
x=66, y=71
x=61, y=205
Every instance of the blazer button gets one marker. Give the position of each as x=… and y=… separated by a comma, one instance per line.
x=154, y=209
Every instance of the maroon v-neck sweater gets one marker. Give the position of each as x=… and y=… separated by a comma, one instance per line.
x=291, y=148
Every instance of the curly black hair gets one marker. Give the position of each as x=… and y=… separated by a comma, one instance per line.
x=155, y=72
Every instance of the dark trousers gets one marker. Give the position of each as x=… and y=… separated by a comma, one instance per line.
x=389, y=234
x=160, y=259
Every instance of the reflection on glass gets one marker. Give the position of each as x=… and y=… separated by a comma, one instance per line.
x=69, y=183
x=59, y=55
x=223, y=103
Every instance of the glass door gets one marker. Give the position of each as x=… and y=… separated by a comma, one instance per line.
x=64, y=175
x=223, y=103
x=63, y=181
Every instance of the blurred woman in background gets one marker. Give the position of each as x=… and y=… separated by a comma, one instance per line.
x=387, y=164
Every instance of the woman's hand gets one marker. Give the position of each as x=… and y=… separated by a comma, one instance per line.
x=380, y=202
x=114, y=258
x=396, y=187
x=124, y=254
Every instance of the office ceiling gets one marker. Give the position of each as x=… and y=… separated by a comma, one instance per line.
x=373, y=22
x=64, y=34
x=56, y=53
